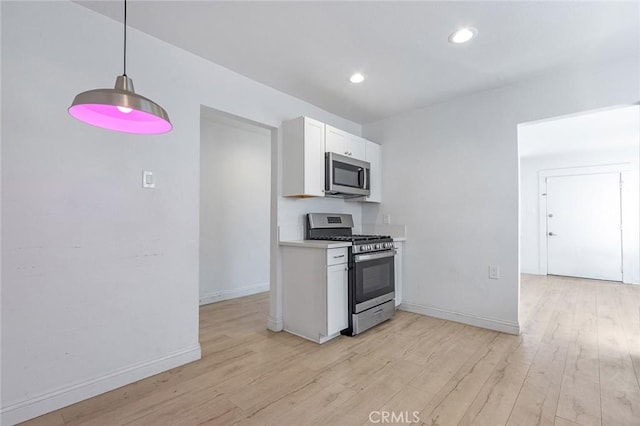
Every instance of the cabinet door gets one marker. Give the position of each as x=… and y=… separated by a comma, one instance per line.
x=399, y=268
x=374, y=158
x=335, y=140
x=356, y=147
x=337, y=298
x=313, y=157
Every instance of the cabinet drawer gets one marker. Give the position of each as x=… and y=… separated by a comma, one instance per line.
x=337, y=255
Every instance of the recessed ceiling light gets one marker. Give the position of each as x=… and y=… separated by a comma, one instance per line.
x=357, y=78
x=463, y=35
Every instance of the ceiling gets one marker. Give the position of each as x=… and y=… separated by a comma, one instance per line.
x=309, y=49
x=600, y=130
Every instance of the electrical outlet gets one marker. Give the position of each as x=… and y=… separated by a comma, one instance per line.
x=148, y=180
x=386, y=218
x=494, y=272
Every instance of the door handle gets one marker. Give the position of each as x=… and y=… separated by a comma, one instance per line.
x=551, y=234
x=365, y=173
x=379, y=255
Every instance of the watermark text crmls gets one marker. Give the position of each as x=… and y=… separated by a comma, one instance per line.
x=383, y=416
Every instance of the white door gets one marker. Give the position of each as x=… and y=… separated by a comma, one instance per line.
x=583, y=226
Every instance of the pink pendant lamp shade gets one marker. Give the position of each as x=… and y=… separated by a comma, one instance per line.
x=120, y=109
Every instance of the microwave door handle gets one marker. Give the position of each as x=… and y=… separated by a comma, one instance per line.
x=366, y=178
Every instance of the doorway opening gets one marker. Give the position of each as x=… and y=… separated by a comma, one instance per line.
x=579, y=195
x=235, y=206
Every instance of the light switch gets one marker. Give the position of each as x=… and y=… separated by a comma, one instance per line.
x=494, y=272
x=148, y=180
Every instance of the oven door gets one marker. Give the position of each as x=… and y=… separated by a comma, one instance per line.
x=373, y=279
x=346, y=175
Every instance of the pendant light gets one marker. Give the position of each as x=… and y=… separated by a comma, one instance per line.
x=120, y=108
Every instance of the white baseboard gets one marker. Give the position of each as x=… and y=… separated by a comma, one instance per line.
x=532, y=271
x=275, y=324
x=218, y=296
x=477, y=321
x=68, y=395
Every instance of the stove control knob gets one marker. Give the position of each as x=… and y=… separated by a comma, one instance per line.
x=378, y=246
x=367, y=247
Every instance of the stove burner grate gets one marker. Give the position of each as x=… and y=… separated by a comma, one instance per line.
x=351, y=238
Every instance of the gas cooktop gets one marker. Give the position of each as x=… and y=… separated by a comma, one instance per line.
x=338, y=227
x=359, y=239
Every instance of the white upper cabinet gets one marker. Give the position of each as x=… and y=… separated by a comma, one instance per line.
x=344, y=143
x=303, y=143
x=374, y=157
x=335, y=140
x=356, y=147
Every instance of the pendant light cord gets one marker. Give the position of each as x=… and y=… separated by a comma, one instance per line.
x=125, y=38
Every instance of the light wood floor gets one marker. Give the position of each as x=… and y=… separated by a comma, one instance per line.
x=576, y=362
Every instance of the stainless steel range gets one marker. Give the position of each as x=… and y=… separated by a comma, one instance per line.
x=371, y=269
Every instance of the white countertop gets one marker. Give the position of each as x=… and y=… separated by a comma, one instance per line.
x=399, y=239
x=316, y=244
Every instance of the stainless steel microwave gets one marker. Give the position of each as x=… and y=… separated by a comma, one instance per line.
x=345, y=176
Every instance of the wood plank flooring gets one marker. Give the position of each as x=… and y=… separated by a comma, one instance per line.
x=577, y=362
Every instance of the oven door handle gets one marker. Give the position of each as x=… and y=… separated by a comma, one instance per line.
x=372, y=256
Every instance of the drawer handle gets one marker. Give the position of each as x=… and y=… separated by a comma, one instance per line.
x=379, y=311
x=338, y=257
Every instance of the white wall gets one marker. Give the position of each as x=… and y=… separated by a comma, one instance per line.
x=530, y=168
x=235, y=206
x=451, y=175
x=100, y=276
x=1, y=274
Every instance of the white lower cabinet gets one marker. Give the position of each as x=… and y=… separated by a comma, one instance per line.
x=337, y=310
x=315, y=285
x=399, y=269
